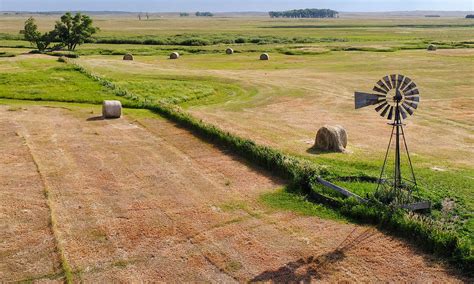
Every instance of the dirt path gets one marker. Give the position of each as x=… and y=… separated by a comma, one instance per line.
x=147, y=201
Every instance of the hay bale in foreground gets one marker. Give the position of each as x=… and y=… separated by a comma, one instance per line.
x=229, y=51
x=128, y=56
x=432, y=47
x=264, y=56
x=111, y=109
x=331, y=138
x=174, y=55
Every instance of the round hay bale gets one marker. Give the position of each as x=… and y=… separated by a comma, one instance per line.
x=174, y=55
x=264, y=56
x=111, y=109
x=229, y=51
x=331, y=138
x=128, y=56
x=432, y=47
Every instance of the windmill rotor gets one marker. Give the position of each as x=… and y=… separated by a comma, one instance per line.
x=393, y=95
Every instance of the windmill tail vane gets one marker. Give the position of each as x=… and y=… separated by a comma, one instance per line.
x=395, y=97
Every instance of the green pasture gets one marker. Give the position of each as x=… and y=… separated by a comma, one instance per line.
x=46, y=80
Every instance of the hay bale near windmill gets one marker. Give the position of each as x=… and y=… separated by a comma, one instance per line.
x=111, y=109
x=229, y=51
x=174, y=55
x=264, y=56
x=331, y=138
x=128, y=56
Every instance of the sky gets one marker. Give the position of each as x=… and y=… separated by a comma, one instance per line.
x=234, y=5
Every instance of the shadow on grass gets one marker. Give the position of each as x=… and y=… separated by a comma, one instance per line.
x=313, y=150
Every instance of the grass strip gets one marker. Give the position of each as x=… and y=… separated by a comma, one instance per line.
x=66, y=268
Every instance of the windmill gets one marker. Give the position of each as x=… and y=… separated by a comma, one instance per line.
x=395, y=97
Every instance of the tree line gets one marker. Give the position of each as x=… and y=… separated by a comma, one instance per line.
x=70, y=31
x=305, y=13
x=204, y=14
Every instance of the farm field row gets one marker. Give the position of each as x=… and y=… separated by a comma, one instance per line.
x=123, y=215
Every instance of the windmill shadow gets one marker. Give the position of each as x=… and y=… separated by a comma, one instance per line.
x=306, y=269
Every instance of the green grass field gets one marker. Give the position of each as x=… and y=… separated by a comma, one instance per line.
x=315, y=67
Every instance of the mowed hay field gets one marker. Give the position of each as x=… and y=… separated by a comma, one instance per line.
x=142, y=199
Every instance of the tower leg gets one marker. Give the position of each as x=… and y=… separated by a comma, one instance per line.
x=386, y=158
x=408, y=155
x=398, y=173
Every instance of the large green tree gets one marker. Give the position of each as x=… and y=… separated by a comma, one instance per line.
x=74, y=30
x=31, y=33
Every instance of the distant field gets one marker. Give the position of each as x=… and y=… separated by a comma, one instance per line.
x=390, y=31
x=314, y=68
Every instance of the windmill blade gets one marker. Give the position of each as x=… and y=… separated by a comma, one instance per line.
x=377, y=109
x=393, y=80
x=385, y=111
x=365, y=99
x=382, y=85
x=411, y=86
x=406, y=81
x=412, y=93
x=377, y=89
x=412, y=105
x=386, y=79
x=407, y=108
x=400, y=80
x=413, y=99
x=390, y=113
x=402, y=112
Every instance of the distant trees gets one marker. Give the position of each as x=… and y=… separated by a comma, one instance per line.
x=305, y=13
x=140, y=15
x=70, y=31
x=31, y=34
x=204, y=14
x=470, y=16
x=184, y=14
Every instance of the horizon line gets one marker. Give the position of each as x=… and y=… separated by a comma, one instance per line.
x=121, y=11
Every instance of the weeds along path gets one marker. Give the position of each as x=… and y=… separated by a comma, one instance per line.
x=148, y=201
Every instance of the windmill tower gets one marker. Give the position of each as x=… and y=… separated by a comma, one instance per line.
x=395, y=97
